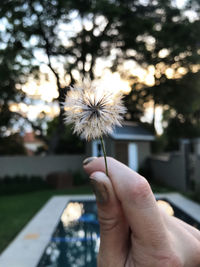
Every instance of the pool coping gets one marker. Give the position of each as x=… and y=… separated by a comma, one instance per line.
x=28, y=247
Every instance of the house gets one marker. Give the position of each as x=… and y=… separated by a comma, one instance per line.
x=129, y=144
x=32, y=143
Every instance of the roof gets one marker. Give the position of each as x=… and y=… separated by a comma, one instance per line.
x=132, y=131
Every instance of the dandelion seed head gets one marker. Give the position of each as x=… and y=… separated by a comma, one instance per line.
x=93, y=112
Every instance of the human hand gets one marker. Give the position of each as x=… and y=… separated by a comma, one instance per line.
x=134, y=231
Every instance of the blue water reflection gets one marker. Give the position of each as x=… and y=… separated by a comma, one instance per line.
x=76, y=239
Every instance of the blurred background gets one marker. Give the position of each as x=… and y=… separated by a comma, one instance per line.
x=147, y=49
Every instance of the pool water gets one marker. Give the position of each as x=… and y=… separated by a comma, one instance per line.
x=75, y=242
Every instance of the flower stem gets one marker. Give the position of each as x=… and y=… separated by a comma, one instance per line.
x=104, y=154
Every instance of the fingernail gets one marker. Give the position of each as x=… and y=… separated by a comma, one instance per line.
x=100, y=191
x=88, y=160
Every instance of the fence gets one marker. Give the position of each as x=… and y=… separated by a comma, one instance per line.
x=39, y=165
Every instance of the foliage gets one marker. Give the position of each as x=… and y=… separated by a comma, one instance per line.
x=74, y=36
x=10, y=94
x=163, y=50
x=21, y=184
x=160, y=38
x=182, y=113
x=68, y=142
x=79, y=179
x=15, y=59
x=12, y=145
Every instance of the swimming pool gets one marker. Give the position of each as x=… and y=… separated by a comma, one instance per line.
x=75, y=242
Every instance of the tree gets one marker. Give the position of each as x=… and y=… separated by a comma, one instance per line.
x=12, y=145
x=169, y=41
x=76, y=53
x=182, y=115
x=13, y=74
x=69, y=143
x=164, y=39
x=114, y=31
x=160, y=38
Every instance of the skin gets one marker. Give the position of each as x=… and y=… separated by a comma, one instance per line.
x=134, y=230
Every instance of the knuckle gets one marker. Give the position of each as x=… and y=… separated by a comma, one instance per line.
x=140, y=189
x=107, y=224
x=110, y=159
x=169, y=260
x=173, y=261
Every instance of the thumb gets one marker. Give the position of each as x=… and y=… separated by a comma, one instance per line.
x=113, y=226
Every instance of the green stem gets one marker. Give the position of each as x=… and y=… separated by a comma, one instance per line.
x=104, y=154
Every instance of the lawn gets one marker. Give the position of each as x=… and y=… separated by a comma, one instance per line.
x=16, y=210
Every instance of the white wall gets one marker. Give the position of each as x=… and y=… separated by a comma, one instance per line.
x=39, y=165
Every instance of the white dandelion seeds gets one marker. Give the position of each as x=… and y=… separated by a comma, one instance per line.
x=93, y=112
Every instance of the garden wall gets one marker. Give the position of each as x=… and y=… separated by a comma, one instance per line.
x=196, y=172
x=170, y=170
x=39, y=165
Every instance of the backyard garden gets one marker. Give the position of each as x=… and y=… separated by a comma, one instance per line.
x=87, y=78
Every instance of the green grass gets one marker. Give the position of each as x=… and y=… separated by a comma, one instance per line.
x=17, y=210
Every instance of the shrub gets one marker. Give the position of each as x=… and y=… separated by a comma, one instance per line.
x=79, y=178
x=21, y=184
